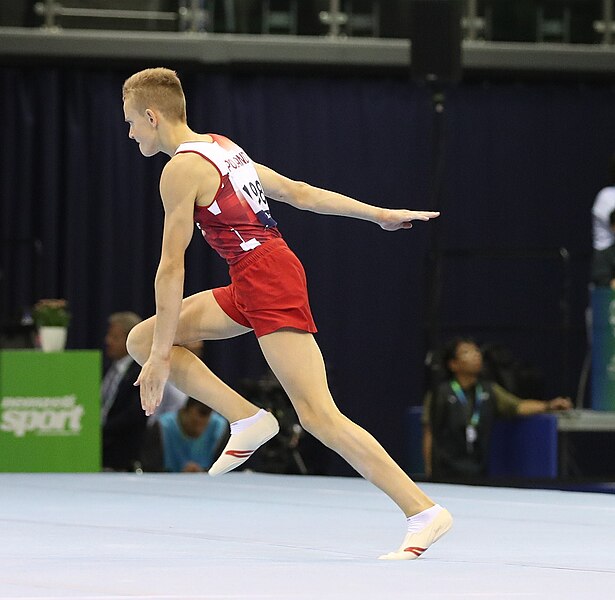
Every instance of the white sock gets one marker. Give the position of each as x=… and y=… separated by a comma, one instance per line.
x=422, y=519
x=255, y=431
x=242, y=424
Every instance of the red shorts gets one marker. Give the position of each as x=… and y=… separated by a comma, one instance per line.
x=268, y=291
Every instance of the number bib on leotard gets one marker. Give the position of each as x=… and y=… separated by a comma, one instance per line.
x=245, y=181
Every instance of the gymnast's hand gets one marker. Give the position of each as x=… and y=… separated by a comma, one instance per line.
x=394, y=219
x=152, y=380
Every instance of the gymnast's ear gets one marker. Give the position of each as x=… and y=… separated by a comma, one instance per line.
x=152, y=117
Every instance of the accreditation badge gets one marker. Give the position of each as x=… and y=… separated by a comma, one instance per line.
x=471, y=434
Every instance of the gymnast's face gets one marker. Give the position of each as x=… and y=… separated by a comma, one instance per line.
x=143, y=128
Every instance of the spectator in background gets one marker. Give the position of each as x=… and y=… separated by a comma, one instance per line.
x=185, y=440
x=603, y=262
x=172, y=398
x=457, y=423
x=122, y=419
x=604, y=205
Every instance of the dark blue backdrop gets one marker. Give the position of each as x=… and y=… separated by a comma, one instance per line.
x=524, y=161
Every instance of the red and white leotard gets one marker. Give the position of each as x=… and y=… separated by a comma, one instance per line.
x=238, y=220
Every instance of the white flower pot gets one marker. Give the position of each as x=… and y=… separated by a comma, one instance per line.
x=52, y=339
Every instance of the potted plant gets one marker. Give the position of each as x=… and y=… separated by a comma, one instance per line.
x=51, y=318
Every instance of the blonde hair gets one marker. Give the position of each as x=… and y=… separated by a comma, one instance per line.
x=159, y=89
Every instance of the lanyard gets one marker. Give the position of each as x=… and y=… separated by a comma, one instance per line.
x=478, y=398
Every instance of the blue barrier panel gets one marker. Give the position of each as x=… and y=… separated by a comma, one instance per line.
x=525, y=447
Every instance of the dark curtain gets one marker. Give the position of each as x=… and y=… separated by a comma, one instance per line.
x=81, y=216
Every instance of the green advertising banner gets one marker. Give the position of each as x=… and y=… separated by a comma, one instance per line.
x=50, y=411
x=603, y=349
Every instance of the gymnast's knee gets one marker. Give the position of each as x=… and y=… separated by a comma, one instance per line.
x=139, y=342
x=324, y=425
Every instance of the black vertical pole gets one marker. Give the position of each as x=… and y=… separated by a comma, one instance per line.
x=436, y=246
x=435, y=33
